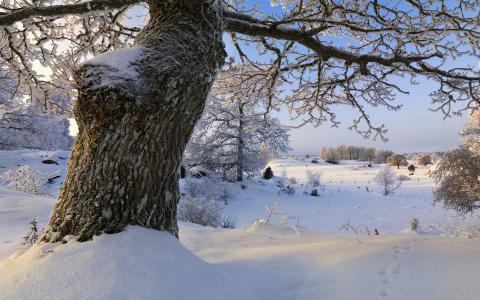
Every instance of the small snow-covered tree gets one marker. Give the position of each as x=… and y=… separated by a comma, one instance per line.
x=397, y=160
x=234, y=135
x=388, y=180
x=313, y=183
x=424, y=160
x=458, y=177
x=313, y=178
x=32, y=236
x=458, y=172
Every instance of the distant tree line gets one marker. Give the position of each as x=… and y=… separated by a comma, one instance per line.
x=371, y=155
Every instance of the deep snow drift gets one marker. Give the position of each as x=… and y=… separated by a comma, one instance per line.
x=304, y=252
x=136, y=264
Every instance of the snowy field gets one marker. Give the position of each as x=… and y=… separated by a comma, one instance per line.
x=312, y=248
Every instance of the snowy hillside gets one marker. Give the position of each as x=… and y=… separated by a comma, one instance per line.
x=312, y=247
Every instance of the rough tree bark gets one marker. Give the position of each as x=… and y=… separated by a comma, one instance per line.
x=133, y=129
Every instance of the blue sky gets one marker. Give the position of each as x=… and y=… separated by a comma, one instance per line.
x=412, y=129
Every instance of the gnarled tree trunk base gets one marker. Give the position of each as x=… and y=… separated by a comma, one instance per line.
x=135, y=119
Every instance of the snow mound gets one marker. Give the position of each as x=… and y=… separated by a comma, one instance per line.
x=139, y=263
x=273, y=229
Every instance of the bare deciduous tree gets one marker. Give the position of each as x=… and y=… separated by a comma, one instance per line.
x=424, y=160
x=397, y=160
x=234, y=135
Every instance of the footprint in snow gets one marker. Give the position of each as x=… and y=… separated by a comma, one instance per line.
x=388, y=272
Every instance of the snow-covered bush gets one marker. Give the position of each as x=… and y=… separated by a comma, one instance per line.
x=285, y=188
x=202, y=211
x=207, y=188
x=32, y=236
x=387, y=179
x=414, y=224
x=313, y=183
x=25, y=179
x=458, y=172
x=228, y=222
x=313, y=178
x=458, y=177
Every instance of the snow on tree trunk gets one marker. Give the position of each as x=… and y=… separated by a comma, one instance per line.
x=136, y=110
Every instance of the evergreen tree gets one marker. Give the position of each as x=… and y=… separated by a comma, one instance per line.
x=268, y=173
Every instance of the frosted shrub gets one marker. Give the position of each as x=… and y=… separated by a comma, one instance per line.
x=205, y=212
x=25, y=179
x=457, y=176
x=32, y=236
x=313, y=178
x=414, y=224
x=285, y=188
x=208, y=188
x=228, y=222
x=387, y=179
x=313, y=183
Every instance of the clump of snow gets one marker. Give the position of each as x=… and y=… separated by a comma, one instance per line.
x=120, y=60
x=273, y=229
x=139, y=263
x=120, y=67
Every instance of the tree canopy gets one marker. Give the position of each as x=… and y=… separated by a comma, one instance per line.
x=329, y=52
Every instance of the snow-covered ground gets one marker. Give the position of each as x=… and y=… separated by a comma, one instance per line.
x=304, y=252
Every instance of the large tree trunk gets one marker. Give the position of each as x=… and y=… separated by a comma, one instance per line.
x=133, y=126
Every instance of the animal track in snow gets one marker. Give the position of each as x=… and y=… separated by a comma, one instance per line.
x=393, y=269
